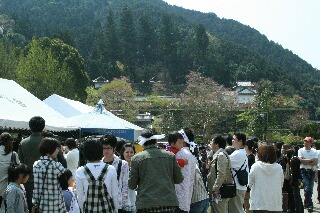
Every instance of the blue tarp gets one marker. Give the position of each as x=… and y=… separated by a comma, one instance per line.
x=127, y=134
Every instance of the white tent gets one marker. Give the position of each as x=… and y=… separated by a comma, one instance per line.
x=102, y=121
x=17, y=106
x=67, y=107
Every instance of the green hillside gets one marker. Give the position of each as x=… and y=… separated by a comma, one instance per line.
x=149, y=39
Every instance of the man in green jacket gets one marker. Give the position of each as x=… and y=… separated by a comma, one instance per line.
x=154, y=172
x=29, y=152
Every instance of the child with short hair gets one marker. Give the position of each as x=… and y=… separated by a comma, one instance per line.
x=70, y=200
x=14, y=196
x=97, y=185
x=175, y=146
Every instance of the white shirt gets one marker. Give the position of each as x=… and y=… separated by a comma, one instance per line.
x=237, y=158
x=72, y=158
x=318, y=151
x=265, y=181
x=184, y=190
x=123, y=197
x=5, y=161
x=110, y=179
x=307, y=154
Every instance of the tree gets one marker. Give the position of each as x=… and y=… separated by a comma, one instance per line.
x=50, y=66
x=92, y=96
x=259, y=116
x=299, y=120
x=147, y=43
x=8, y=60
x=7, y=33
x=119, y=96
x=202, y=43
x=168, y=46
x=129, y=40
x=203, y=107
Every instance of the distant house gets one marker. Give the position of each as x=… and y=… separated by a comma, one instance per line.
x=144, y=119
x=99, y=82
x=246, y=92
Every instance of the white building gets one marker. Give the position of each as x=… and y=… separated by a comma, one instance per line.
x=246, y=92
x=99, y=82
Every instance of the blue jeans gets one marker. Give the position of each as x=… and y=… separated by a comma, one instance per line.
x=200, y=206
x=308, y=177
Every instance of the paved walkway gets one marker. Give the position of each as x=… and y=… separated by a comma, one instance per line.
x=316, y=205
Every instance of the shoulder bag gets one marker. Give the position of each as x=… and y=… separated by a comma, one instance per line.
x=227, y=190
x=35, y=209
x=242, y=175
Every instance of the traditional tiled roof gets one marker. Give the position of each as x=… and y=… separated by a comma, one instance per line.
x=244, y=84
x=99, y=79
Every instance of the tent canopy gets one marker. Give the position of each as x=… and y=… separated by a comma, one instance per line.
x=66, y=107
x=102, y=121
x=17, y=106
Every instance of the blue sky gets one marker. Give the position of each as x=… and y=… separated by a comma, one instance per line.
x=294, y=24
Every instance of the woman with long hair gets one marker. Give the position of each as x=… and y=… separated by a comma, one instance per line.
x=6, y=158
x=126, y=153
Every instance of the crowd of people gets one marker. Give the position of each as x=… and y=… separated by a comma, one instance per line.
x=232, y=174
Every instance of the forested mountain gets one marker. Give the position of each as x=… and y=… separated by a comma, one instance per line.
x=149, y=39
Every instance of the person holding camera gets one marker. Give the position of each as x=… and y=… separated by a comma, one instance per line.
x=284, y=161
x=219, y=173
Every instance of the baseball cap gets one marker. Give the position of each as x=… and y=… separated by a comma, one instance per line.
x=308, y=139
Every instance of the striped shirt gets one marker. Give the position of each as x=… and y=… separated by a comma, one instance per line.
x=199, y=190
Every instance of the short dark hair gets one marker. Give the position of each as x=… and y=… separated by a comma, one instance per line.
x=255, y=139
x=119, y=146
x=147, y=133
x=71, y=143
x=124, y=148
x=92, y=150
x=267, y=154
x=109, y=139
x=48, y=146
x=221, y=141
x=37, y=124
x=241, y=136
x=173, y=137
x=47, y=134
x=6, y=141
x=64, y=178
x=15, y=171
x=229, y=140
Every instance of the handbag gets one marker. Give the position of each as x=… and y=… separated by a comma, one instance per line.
x=13, y=161
x=35, y=208
x=227, y=190
x=242, y=175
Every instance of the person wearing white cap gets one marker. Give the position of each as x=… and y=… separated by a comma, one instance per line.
x=154, y=172
x=184, y=190
x=309, y=158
